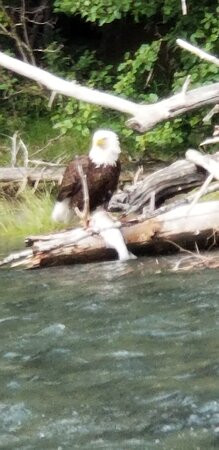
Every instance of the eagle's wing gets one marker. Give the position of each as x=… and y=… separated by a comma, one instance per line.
x=71, y=182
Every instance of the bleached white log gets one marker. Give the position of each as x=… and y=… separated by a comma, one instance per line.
x=68, y=88
x=16, y=174
x=204, y=216
x=171, y=229
x=144, y=116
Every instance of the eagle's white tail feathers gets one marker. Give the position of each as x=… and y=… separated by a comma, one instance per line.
x=102, y=223
x=123, y=253
x=62, y=212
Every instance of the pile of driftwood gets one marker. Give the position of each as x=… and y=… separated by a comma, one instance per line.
x=160, y=213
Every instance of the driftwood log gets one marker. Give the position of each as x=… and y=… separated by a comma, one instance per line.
x=14, y=180
x=18, y=174
x=171, y=181
x=180, y=177
x=181, y=228
x=174, y=226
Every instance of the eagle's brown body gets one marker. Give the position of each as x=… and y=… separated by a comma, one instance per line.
x=102, y=181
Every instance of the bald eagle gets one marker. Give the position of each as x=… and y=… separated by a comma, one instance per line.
x=102, y=169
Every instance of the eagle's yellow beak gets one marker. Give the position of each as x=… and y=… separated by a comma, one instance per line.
x=100, y=142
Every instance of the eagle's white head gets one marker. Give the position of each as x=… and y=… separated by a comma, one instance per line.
x=105, y=148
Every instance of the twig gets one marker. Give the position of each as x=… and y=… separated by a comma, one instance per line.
x=22, y=186
x=184, y=7
x=198, y=52
x=211, y=140
x=16, y=146
x=25, y=33
x=86, y=209
x=201, y=191
x=138, y=173
x=52, y=98
x=25, y=152
x=186, y=85
x=211, y=113
x=14, y=149
x=39, y=162
x=56, y=138
x=38, y=180
x=182, y=249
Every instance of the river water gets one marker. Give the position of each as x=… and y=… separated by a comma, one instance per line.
x=109, y=356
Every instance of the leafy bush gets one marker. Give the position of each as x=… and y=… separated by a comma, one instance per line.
x=144, y=74
x=106, y=11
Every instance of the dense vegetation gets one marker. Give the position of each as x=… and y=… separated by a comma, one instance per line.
x=126, y=47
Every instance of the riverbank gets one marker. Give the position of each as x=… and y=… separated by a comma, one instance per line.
x=30, y=213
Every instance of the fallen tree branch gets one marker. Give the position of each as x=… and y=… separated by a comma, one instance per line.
x=198, y=52
x=205, y=161
x=211, y=113
x=197, y=262
x=144, y=117
x=211, y=140
x=165, y=183
x=17, y=174
x=158, y=235
x=185, y=200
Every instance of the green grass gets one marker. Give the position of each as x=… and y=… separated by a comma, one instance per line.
x=39, y=133
x=30, y=214
x=40, y=139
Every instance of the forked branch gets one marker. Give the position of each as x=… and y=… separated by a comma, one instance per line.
x=144, y=116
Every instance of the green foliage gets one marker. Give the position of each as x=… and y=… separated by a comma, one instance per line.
x=148, y=71
x=106, y=11
x=129, y=80
x=77, y=116
x=205, y=37
x=133, y=72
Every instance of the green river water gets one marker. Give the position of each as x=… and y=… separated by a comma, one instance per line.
x=109, y=356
